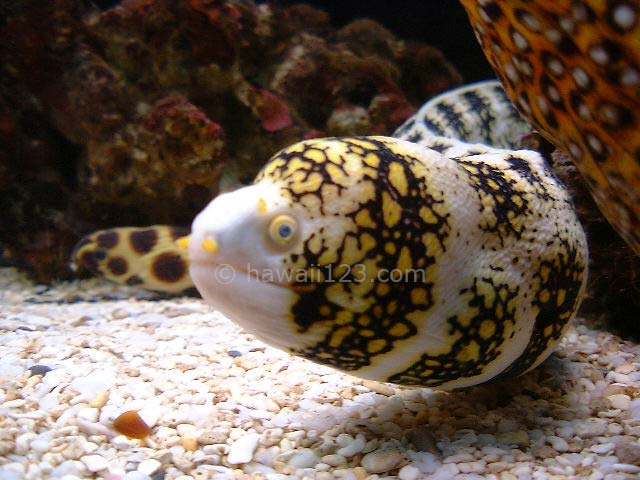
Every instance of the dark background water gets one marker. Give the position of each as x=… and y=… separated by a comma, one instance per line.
x=442, y=23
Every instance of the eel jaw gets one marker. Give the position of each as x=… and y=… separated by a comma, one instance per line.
x=260, y=307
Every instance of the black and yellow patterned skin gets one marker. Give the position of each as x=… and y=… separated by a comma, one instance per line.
x=488, y=257
x=573, y=70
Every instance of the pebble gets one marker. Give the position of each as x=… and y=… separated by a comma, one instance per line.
x=94, y=463
x=242, y=449
x=623, y=402
x=68, y=467
x=89, y=414
x=334, y=460
x=92, y=428
x=91, y=385
x=149, y=466
x=422, y=439
x=190, y=444
x=409, y=472
x=577, y=419
x=518, y=437
x=426, y=462
x=459, y=458
x=591, y=427
x=566, y=430
x=136, y=475
x=217, y=435
x=23, y=442
x=559, y=444
x=354, y=447
x=131, y=424
x=41, y=445
x=472, y=467
x=381, y=388
x=303, y=458
x=119, y=314
x=507, y=425
x=628, y=451
x=383, y=460
x=324, y=476
x=39, y=369
x=603, y=448
x=626, y=467
x=100, y=400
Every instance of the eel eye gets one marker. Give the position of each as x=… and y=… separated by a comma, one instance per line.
x=282, y=230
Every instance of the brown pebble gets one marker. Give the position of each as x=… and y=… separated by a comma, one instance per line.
x=519, y=437
x=173, y=312
x=384, y=460
x=377, y=387
x=347, y=393
x=119, y=314
x=81, y=321
x=544, y=452
x=6, y=447
x=613, y=389
x=132, y=425
x=423, y=440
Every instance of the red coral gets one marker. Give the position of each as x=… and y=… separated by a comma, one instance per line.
x=272, y=110
x=388, y=110
x=215, y=9
x=168, y=110
x=210, y=8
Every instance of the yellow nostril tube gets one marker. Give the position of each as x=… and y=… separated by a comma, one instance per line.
x=183, y=242
x=209, y=245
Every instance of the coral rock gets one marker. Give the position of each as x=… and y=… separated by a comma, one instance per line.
x=136, y=110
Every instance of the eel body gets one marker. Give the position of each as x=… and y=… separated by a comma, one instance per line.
x=431, y=259
x=572, y=68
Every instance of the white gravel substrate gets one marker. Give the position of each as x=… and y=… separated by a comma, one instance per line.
x=225, y=406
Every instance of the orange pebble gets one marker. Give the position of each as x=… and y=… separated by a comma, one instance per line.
x=132, y=425
x=190, y=444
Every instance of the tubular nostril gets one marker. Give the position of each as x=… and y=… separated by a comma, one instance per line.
x=183, y=242
x=209, y=245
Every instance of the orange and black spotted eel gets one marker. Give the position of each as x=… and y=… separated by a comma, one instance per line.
x=572, y=67
x=418, y=260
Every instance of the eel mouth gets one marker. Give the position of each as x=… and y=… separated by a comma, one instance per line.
x=260, y=307
x=226, y=273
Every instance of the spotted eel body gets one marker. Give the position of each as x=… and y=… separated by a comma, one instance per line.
x=433, y=262
x=137, y=256
x=573, y=70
